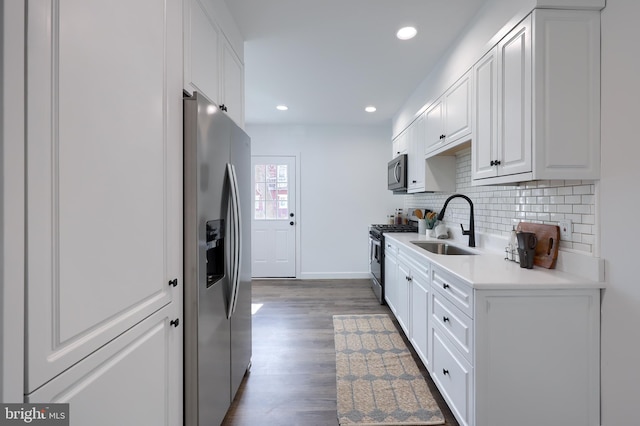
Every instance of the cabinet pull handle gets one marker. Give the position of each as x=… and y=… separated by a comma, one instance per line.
x=445, y=319
x=175, y=322
x=445, y=372
x=445, y=286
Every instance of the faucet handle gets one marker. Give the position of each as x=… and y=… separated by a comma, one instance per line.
x=463, y=231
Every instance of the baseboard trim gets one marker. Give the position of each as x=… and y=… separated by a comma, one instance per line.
x=334, y=275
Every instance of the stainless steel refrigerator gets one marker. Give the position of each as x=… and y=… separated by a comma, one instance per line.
x=217, y=264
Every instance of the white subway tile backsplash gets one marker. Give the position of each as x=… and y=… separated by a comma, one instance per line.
x=497, y=208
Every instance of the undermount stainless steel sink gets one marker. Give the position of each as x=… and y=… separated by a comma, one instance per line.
x=442, y=248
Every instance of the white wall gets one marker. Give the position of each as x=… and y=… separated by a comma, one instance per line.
x=342, y=182
x=619, y=212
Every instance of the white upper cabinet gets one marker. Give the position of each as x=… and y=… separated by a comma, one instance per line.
x=104, y=183
x=202, y=41
x=415, y=159
x=211, y=64
x=484, y=147
x=502, y=125
x=448, y=120
x=431, y=174
x=399, y=144
x=547, y=87
x=457, y=111
x=434, y=126
x=233, y=88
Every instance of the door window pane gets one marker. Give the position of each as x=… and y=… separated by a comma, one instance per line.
x=271, y=200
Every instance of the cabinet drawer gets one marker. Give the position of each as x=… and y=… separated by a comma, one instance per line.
x=453, y=375
x=458, y=293
x=456, y=325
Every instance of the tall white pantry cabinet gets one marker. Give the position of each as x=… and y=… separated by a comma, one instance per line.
x=103, y=215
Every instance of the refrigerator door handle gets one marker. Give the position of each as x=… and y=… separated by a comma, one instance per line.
x=235, y=239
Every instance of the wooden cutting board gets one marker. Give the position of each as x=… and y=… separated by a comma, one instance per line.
x=548, y=243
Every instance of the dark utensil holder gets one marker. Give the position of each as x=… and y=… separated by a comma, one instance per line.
x=526, y=257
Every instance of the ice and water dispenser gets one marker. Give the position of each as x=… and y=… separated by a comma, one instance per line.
x=215, y=251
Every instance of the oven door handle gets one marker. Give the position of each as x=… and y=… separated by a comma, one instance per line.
x=375, y=243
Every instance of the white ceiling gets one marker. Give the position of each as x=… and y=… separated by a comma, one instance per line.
x=328, y=59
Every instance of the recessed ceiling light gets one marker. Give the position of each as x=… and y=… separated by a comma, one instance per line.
x=406, y=33
x=370, y=108
x=282, y=107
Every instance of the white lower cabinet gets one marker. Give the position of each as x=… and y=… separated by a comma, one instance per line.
x=454, y=376
x=513, y=356
x=391, y=276
x=419, y=337
x=537, y=357
x=126, y=383
x=408, y=298
x=402, y=301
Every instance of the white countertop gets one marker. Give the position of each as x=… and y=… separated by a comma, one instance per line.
x=489, y=270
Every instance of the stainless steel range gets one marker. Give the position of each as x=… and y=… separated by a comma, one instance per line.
x=376, y=254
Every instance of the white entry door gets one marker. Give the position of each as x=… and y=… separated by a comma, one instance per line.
x=274, y=220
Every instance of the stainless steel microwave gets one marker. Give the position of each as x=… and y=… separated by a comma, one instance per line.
x=397, y=174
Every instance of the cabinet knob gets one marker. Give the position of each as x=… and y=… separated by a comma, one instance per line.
x=223, y=107
x=445, y=319
x=175, y=322
x=445, y=286
x=492, y=163
x=173, y=282
x=414, y=181
x=445, y=372
x=497, y=162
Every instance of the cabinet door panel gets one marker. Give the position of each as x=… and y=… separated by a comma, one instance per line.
x=416, y=155
x=233, y=77
x=390, y=278
x=484, y=146
x=420, y=318
x=434, y=127
x=402, y=297
x=514, y=93
x=458, y=110
x=127, y=383
x=201, y=51
x=101, y=174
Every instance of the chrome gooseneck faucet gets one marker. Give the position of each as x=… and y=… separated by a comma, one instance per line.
x=471, y=231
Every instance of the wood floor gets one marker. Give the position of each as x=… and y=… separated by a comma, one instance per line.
x=292, y=379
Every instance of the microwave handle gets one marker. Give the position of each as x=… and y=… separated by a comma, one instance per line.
x=395, y=172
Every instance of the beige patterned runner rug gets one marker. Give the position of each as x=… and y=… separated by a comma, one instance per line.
x=378, y=381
